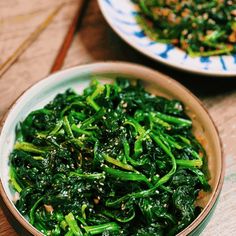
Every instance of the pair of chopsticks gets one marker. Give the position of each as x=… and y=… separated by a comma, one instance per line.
x=75, y=24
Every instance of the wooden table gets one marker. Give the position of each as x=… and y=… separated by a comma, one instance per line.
x=97, y=42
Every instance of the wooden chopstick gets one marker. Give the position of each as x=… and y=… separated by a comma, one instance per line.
x=28, y=41
x=74, y=26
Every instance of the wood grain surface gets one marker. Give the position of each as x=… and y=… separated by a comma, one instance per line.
x=97, y=42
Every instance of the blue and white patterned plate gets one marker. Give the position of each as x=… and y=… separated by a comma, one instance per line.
x=120, y=14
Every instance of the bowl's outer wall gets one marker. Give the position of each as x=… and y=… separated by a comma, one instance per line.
x=78, y=78
x=198, y=230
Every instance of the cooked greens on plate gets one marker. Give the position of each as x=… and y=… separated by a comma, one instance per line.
x=202, y=28
x=114, y=160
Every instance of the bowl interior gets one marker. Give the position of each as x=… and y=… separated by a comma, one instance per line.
x=78, y=78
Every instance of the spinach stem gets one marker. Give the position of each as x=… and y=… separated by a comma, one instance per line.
x=70, y=219
x=88, y=175
x=29, y=147
x=173, y=119
x=67, y=127
x=118, y=163
x=32, y=210
x=13, y=180
x=97, y=229
x=127, y=176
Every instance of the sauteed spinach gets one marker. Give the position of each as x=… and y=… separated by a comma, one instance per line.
x=202, y=28
x=114, y=160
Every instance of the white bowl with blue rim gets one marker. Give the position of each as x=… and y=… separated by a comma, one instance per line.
x=121, y=16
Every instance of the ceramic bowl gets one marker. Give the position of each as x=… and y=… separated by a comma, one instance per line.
x=78, y=78
x=121, y=16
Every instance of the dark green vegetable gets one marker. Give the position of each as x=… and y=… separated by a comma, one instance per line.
x=202, y=28
x=115, y=160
